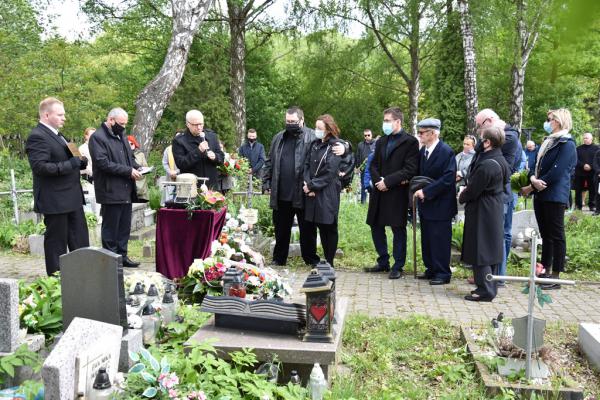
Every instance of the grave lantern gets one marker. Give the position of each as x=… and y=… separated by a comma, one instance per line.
x=139, y=294
x=102, y=388
x=150, y=324
x=319, y=308
x=167, y=310
x=233, y=283
x=152, y=295
x=328, y=272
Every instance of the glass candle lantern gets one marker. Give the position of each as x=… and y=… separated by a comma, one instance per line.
x=152, y=295
x=319, y=307
x=150, y=324
x=139, y=293
x=231, y=275
x=168, y=310
x=238, y=287
x=102, y=389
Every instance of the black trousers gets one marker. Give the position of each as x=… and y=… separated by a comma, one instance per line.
x=436, y=243
x=283, y=219
x=329, y=240
x=68, y=230
x=550, y=217
x=486, y=289
x=585, y=183
x=116, y=227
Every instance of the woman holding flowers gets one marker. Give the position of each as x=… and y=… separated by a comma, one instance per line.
x=322, y=186
x=551, y=186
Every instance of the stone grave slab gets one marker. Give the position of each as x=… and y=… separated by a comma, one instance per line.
x=9, y=315
x=522, y=220
x=290, y=350
x=85, y=345
x=92, y=286
x=130, y=342
x=589, y=342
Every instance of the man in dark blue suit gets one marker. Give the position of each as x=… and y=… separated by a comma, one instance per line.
x=437, y=202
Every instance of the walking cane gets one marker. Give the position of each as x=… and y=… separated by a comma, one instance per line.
x=414, y=232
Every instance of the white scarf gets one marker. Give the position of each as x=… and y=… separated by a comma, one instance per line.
x=548, y=144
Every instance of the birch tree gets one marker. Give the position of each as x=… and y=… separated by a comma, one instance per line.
x=470, y=64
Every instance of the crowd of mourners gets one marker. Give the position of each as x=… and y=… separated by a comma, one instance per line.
x=306, y=169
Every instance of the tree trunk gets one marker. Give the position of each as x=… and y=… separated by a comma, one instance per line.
x=598, y=115
x=414, y=85
x=470, y=64
x=237, y=50
x=153, y=99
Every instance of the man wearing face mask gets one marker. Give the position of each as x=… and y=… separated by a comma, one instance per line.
x=365, y=148
x=395, y=162
x=254, y=151
x=283, y=180
x=197, y=150
x=115, y=172
x=512, y=150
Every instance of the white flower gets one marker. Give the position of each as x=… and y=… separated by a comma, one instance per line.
x=233, y=223
x=245, y=248
x=244, y=227
x=227, y=216
x=134, y=321
x=197, y=266
x=254, y=281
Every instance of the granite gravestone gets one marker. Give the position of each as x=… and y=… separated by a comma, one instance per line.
x=85, y=344
x=9, y=315
x=92, y=286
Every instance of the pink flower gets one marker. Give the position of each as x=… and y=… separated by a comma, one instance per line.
x=172, y=393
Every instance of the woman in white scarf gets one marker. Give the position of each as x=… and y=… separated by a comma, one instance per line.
x=551, y=185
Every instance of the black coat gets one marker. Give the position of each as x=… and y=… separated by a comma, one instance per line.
x=56, y=186
x=112, y=162
x=483, y=237
x=585, y=155
x=390, y=208
x=324, y=207
x=189, y=159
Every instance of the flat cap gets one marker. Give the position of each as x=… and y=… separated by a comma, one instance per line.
x=432, y=123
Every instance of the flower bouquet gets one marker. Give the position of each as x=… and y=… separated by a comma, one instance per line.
x=208, y=200
x=229, y=167
x=203, y=277
x=519, y=180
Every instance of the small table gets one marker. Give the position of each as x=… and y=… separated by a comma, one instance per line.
x=180, y=239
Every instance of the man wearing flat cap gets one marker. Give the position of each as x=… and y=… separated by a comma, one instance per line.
x=436, y=202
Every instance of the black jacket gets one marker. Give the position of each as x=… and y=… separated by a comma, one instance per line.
x=255, y=155
x=585, y=155
x=321, y=176
x=363, y=150
x=483, y=237
x=112, y=162
x=390, y=208
x=189, y=159
x=56, y=186
x=596, y=164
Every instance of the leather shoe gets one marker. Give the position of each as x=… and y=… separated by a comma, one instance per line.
x=377, y=268
x=129, y=263
x=423, y=277
x=434, y=282
x=550, y=286
x=475, y=297
x=395, y=274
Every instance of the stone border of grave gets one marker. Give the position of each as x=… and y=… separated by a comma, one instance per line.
x=493, y=387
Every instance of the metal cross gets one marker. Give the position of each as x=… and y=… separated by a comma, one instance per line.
x=532, y=279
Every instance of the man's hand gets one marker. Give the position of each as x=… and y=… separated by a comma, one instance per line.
x=338, y=149
x=210, y=154
x=381, y=186
x=135, y=174
x=203, y=146
x=342, y=173
x=420, y=195
x=172, y=174
x=587, y=167
x=305, y=188
x=311, y=194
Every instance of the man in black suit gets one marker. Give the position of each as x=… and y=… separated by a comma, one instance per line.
x=57, y=191
x=437, y=202
x=198, y=151
x=115, y=172
x=395, y=162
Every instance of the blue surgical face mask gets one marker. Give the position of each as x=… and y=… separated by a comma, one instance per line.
x=387, y=128
x=547, y=127
x=319, y=134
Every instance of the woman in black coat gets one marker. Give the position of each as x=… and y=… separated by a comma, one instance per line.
x=322, y=185
x=483, y=237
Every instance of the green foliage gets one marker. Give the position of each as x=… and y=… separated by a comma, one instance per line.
x=11, y=235
x=457, y=235
x=21, y=357
x=41, y=306
x=543, y=298
x=91, y=219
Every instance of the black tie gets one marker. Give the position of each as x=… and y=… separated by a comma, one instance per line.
x=426, y=154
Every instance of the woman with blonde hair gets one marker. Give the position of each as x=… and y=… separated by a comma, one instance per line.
x=551, y=185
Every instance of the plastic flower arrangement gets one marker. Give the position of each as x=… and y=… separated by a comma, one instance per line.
x=229, y=166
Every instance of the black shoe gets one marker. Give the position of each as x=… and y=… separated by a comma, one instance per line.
x=423, y=277
x=129, y=263
x=434, y=282
x=395, y=274
x=378, y=268
x=550, y=286
x=475, y=297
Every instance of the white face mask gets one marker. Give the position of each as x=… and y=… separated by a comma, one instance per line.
x=319, y=134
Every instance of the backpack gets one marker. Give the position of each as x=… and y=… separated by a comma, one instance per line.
x=347, y=166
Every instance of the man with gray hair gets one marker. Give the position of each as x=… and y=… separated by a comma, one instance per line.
x=197, y=150
x=584, y=174
x=115, y=172
x=512, y=150
x=531, y=151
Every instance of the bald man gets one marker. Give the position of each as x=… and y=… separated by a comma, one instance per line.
x=197, y=150
x=584, y=175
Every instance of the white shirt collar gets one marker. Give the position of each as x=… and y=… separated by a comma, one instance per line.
x=432, y=147
x=49, y=127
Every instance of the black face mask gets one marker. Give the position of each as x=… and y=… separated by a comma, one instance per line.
x=293, y=129
x=118, y=129
x=479, y=146
x=251, y=140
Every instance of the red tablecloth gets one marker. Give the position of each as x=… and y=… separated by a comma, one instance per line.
x=180, y=240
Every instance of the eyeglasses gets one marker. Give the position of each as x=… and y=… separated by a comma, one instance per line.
x=367, y=135
x=420, y=133
x=549, y=119
x=482, y=123
x=198, y=124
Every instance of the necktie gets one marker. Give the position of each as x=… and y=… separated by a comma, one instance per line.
x=426, y=154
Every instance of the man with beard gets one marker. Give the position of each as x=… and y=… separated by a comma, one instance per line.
x=283, y=180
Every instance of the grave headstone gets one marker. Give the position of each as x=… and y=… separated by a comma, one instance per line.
x=85, y=345
x=589, y=342
x=92, y=286
x=523, y=220
x=9, y=315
